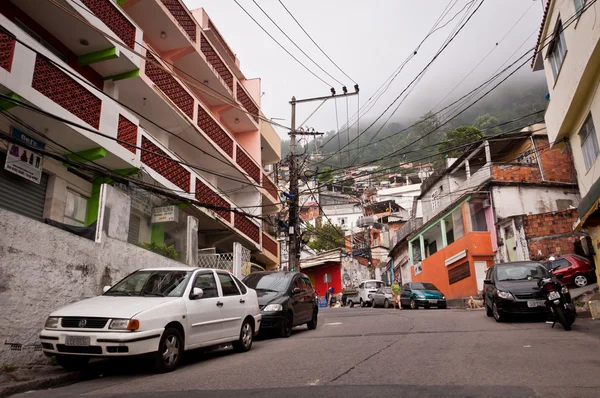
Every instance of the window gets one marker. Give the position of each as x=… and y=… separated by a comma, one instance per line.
x=228, y=285
x=478, y=217
x=435, y=200
x=589, y=142
x=240, y=285
x=579, y=4
x=207, y=283
x=307, y=283
x=557, y=49
x=75, y=209
x=432, y=248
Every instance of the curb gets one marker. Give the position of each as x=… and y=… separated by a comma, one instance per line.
x=38, y=384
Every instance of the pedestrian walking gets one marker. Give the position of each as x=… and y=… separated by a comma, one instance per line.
x=396, y=294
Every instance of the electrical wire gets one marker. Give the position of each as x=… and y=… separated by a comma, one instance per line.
x=280, y=45
x=314, y=42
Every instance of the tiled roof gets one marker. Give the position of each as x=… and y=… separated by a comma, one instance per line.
x=539, y=38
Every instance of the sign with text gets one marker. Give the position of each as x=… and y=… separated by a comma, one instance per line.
x=165, y=214
x=23, y=161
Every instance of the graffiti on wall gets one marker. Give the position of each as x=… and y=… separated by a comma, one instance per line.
x=353, y=273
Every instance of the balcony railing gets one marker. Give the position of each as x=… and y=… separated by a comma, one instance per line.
x=108, y=13
x=411, y=226
x=7, y=51
x=270, y=187
x=270, y=245
x=247, y=227
x=247, y=102
x=214, y=131
x=214, y=59
x=61, y=88
x=204, y=194
x=183, y=18
x=247, y=164
x=159, y=161
x=516, y=172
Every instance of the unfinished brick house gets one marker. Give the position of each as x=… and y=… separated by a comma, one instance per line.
x=510, y=197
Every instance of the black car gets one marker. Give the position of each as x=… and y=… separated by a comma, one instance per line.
x=512, y=288
x=286, y=299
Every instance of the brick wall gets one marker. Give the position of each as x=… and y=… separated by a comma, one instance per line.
x=516, y=173
x=127, y=134
x=107, y=12
x=557, y=163
x=7, y=49
x=550, y=233
x=182, y=17
x=553, y=223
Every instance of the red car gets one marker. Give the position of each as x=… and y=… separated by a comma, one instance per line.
x=576, y=270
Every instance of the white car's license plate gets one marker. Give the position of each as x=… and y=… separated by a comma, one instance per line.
x=80, y=341
x=536, y=303
x=432, y=301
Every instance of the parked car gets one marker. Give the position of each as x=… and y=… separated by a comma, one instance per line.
x=575, y=270
x=161, y=312
x=421, y=294
x=383, y=297
x=364, y=295
x=512, y=288
x=286, y=299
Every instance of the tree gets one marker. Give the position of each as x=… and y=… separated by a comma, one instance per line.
x=326, y=237
x=460, y=136
x=487, y=122
x=325, y=175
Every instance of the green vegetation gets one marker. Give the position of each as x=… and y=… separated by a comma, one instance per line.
x=459, y=136
x=160, y=248
x=326, y=237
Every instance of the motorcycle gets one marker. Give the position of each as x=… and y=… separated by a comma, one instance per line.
x=559, y=302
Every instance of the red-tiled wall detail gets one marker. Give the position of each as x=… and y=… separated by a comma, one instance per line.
x=107, y=12
x=214, y=59
x=206, y=195
x=269, y=186
x=214, y=131
x=66, y=92
x=247, y=164
x=269, y=244
x=7, y=50
x=165, y=166
x=128, y=132
x=170, y=86
x=247, y=227
x=247, y=102
x=182, y=17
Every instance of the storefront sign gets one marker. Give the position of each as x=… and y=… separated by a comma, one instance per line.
x=22, y=161
x=165, y=214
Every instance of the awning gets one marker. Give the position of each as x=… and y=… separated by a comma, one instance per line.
x=328, y=257
x=589, y=204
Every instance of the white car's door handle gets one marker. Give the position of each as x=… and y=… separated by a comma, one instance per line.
x=219, y=304
x=242, y=301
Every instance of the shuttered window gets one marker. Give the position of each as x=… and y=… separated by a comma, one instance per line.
x=20, y=195
x=134, y=230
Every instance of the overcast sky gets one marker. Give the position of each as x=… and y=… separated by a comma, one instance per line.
x=369, y=40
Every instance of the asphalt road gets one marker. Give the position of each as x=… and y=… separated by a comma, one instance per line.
x=377, y=352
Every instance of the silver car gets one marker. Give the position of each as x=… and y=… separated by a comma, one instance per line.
x=383, y=297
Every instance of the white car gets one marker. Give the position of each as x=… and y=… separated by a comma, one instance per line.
x=158, y=311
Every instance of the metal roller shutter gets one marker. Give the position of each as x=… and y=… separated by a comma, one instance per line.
x=22, y=196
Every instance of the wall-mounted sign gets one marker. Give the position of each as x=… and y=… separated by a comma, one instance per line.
x=23, y=161
x=165, y=214
x=327, y=278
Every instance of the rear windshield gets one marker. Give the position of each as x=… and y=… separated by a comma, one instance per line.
x=373, y=285
x=424, y=286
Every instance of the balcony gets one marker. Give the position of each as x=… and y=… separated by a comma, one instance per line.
x=89, y=46
x=270, y=251
x=63, y=92
x=172, y=31
x=404, y=231
x=270, y=142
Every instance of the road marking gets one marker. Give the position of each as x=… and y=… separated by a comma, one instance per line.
x=333, y=323
x=314, y=383
x=526, y=346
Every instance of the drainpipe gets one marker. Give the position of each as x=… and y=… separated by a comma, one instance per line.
x=537, y=157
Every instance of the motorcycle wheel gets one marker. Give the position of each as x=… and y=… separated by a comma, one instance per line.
x=559, y=312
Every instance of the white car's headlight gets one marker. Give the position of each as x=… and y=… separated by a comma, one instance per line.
x=505, y=295
x=273, y=308
x=124, y=324
x=52, y=322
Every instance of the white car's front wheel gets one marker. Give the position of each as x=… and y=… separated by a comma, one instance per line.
x=170, y=350
x=246, y=336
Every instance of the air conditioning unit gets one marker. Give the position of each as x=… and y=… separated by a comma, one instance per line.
x=486, y=203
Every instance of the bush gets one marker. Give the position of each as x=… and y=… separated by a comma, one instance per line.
x=160, y=248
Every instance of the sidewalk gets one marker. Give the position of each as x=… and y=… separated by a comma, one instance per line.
x=14, y=380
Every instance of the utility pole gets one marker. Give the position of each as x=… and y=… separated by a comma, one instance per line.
x=294, y=227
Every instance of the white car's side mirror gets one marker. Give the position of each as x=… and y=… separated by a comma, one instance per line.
x=105, y=289
x=197, y=293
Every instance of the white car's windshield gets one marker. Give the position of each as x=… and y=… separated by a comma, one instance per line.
x=152, y=283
